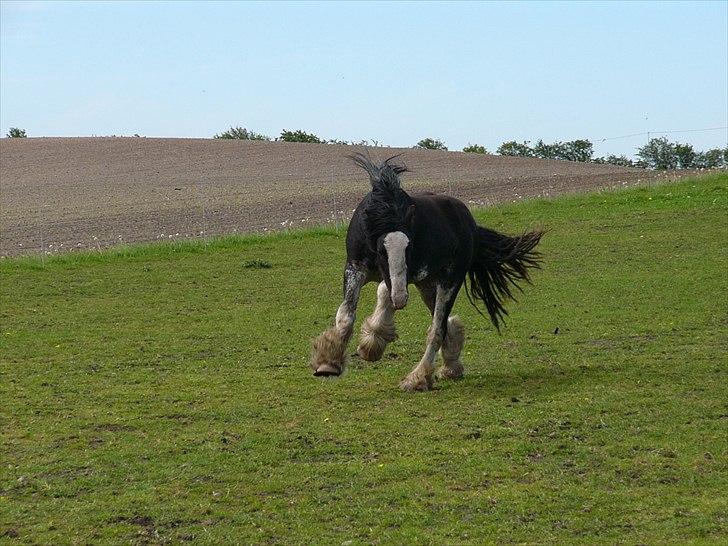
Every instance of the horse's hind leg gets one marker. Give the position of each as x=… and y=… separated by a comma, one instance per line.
x=329, y=349
x=453, y=342
x=420, y=378
x=378, y=329
x=452, y=345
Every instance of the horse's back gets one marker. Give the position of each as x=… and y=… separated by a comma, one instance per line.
x=444, y=231
x=444, y=209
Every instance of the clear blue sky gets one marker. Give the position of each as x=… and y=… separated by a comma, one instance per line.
x=395, y=72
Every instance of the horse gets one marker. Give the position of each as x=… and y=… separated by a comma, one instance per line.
x=433, y=242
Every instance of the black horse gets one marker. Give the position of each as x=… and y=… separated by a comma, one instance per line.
x=433, y=242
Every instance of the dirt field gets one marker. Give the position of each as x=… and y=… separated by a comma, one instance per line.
x=59, y=194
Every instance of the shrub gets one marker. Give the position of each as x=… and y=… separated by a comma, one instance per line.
x=299, y=136
x=431, y=144
x=241, y=133
x=577, y=150
x=14, y=132
x=658, y=153
x=515, y=149
x=712, y=159
x=548, y=151
x=685, y=155
x=475, y=149
x=619, y=160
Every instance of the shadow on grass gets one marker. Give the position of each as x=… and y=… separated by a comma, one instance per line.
x=539, y=382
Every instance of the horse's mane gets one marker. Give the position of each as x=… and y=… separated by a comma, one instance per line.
x=385, y=176
x=388, y=202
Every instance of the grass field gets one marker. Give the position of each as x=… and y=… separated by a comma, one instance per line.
x=162, y=394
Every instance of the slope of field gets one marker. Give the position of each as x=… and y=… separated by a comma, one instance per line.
x=67, y=193
x=161, y=394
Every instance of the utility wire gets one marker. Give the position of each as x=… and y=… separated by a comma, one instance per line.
x=660, y=133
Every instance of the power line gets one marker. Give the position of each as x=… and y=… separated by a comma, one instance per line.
x=618, y=137
x=647, y=133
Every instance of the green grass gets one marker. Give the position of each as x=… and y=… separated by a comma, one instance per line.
x=161, y=393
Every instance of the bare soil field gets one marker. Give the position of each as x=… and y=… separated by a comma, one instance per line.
x=59, y=194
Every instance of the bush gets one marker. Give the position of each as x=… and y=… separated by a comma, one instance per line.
x=685, y=155
x=577, y=150
x=299, y=136
x=658, y=153
x=241, y=133
x=548, y=151
x=14, y=132
x=573, y=150
x=619, y=160
x=431, y=144
x=475, y=149
x=712, y=159
x=515, y=149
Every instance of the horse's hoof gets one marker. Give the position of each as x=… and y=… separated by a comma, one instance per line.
x=416, y=384
x=327, y=370
x=370, y=352
x=450, y=372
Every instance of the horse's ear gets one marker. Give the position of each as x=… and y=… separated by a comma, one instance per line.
x=409, y=216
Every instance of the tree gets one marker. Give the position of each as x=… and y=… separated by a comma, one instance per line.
x=299, y=136
x=549, y=151
x=685, y=155
x=658, y=153
x=241, y=133
x=515, y=149
x=712, y=159
x=578, y=150
x=14, y=132
x=475, y=149
x=431, y=144
x=620, y=161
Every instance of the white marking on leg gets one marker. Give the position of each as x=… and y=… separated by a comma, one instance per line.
x=420, y=378
x=378, y=329
x=452, y=346
x=345, y=320
x=396, y=244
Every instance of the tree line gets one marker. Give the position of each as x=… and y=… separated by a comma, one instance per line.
x=658, y=153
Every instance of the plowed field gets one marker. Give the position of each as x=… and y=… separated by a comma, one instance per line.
x=59, y=194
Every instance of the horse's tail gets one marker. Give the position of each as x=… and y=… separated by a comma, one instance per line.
x=499, y=263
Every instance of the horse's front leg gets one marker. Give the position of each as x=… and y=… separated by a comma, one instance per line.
x=420, y=378
x=378, y=329
x=329, y=349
